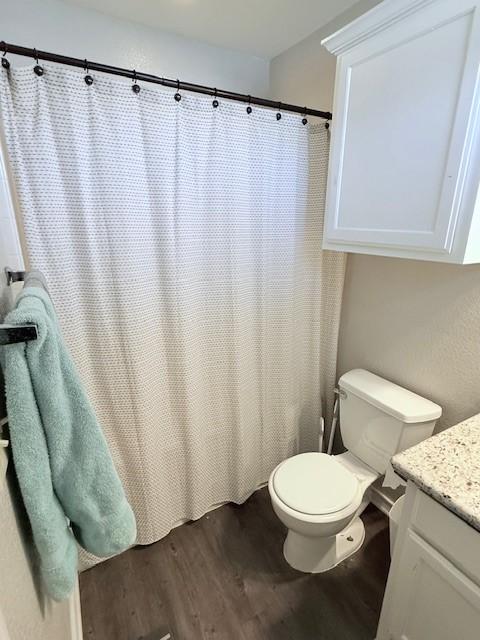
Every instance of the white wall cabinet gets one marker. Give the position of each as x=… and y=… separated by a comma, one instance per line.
x=433, y=590
x=404, y=167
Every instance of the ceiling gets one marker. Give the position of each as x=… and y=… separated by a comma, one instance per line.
x=260, y=27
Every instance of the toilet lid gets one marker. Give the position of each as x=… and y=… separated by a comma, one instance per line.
x=315, y=484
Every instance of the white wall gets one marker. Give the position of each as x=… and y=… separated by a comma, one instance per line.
x=62, y=28
x=416, y=323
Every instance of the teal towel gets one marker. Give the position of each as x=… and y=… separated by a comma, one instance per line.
x=61, y=458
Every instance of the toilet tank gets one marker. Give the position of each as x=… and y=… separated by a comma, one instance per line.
x=379, y=418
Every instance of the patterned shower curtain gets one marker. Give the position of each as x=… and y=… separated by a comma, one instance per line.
x=182, y=247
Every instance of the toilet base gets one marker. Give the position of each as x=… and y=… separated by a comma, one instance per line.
x=316, y=555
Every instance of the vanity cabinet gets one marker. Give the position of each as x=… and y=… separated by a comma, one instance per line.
x=433, y=588
x=404, y=167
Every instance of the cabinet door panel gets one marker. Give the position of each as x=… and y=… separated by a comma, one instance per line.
x=433, y=601
x=403, y=129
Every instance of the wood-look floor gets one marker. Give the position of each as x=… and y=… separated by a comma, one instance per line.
x=224, y=577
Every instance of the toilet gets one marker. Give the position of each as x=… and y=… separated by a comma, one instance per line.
x=320, y=497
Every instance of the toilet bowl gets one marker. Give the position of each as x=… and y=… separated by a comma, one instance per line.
x=320, y=497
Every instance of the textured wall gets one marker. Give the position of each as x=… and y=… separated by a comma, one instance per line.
x=305, y=73
x=418, y=324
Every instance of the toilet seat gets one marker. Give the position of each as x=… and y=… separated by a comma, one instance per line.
x=315, y=484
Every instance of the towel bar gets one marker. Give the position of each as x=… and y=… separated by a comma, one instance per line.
x=11, y=333
x=14, y=276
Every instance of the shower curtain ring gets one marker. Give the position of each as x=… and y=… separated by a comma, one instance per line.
x=215, y=101
x=37, y=68
x=304, y=119
x=135, y=86
x=249, y=108
x=5, y=62
x=88, y=78
x=178, y=96
x=279, y=115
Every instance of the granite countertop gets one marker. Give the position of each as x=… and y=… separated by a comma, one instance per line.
x=447, y=467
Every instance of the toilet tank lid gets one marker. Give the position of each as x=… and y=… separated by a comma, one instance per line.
x=398, y=402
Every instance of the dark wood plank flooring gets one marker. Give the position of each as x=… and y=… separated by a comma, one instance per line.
x=224, y=577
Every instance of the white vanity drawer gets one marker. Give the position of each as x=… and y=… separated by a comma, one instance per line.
x=449, y=534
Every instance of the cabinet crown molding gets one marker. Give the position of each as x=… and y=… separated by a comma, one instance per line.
x=377, y=19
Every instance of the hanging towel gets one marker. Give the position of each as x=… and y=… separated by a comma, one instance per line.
x=60, y=455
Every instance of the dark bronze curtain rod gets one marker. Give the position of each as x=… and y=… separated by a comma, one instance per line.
x=6, y=47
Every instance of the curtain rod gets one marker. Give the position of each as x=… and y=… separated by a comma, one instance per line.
x=6, y=47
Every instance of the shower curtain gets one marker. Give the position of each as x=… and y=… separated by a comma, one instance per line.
x=182, y=247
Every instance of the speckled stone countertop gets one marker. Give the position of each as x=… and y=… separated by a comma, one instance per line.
x=447, y=467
